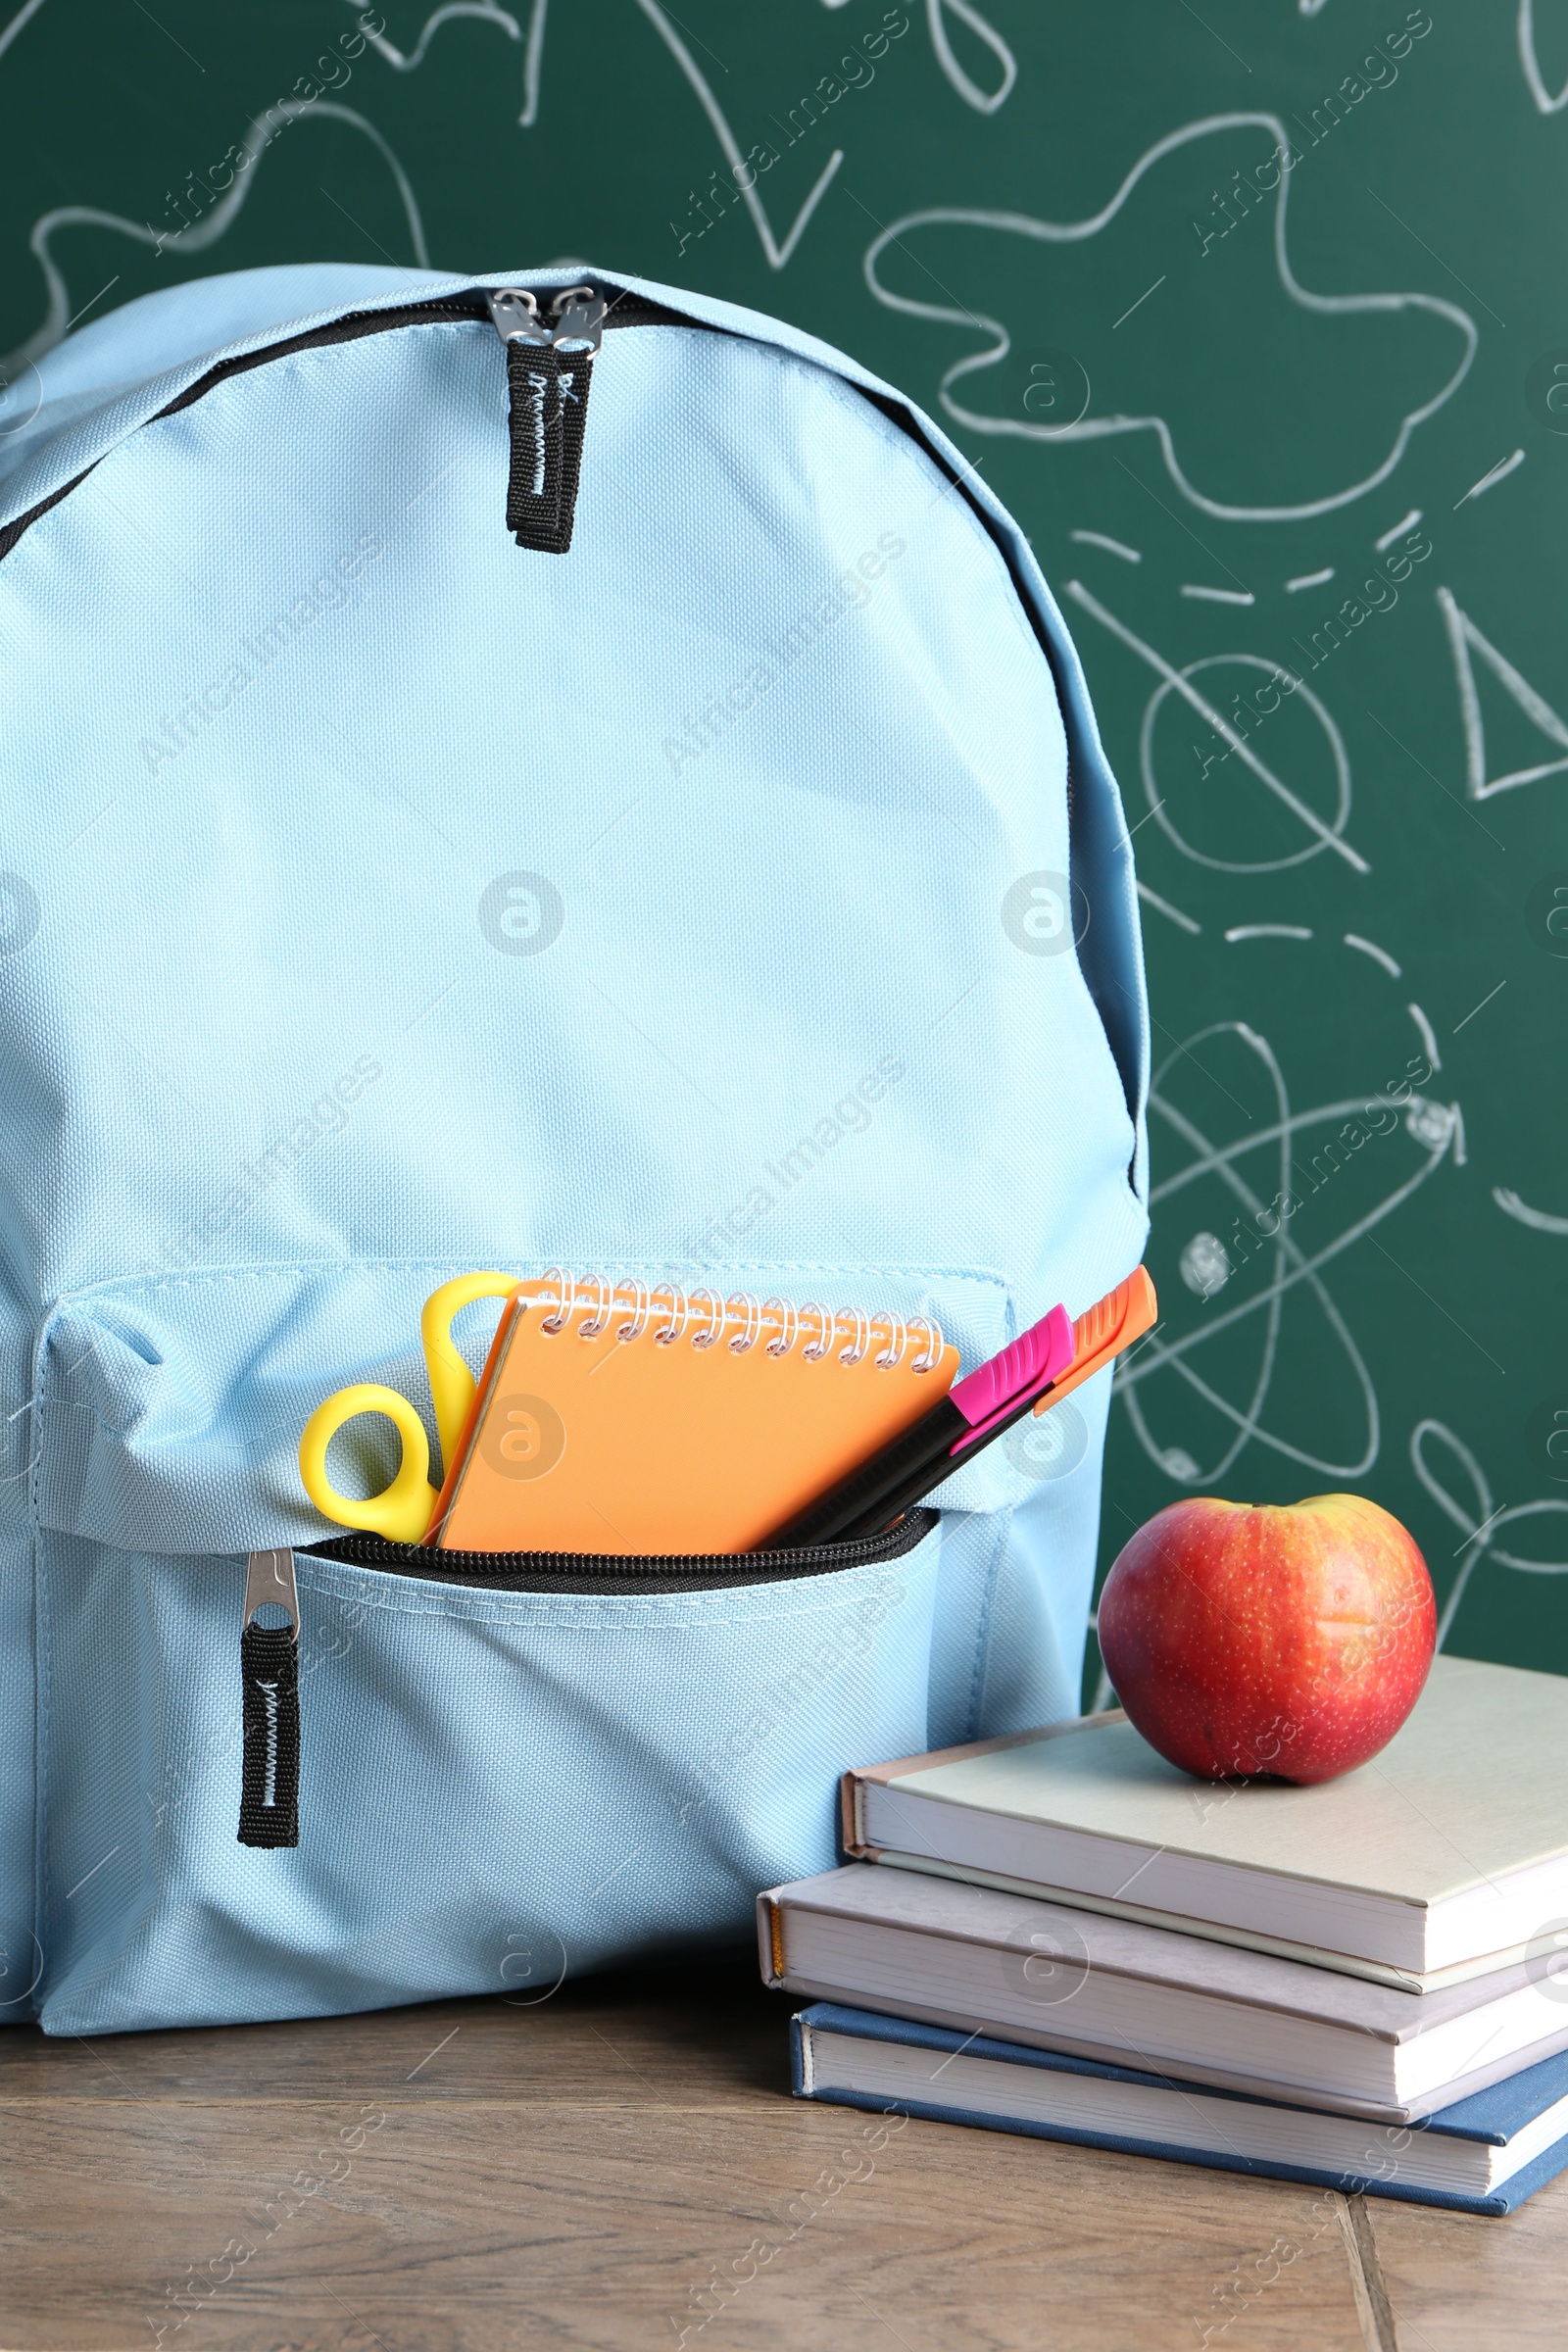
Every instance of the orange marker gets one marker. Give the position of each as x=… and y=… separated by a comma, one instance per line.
x=1123, y=1315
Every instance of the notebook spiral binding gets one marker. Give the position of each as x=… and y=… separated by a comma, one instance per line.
x=705, y=1317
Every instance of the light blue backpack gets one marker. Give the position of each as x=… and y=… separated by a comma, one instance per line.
x=451, y=820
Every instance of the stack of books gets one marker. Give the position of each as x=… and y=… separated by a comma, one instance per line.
x=1362, y=1984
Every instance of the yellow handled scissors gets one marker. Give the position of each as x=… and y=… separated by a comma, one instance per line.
x=403, y=1510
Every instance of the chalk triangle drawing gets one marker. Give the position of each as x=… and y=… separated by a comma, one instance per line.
x=1547, y=102
x=1465, y=639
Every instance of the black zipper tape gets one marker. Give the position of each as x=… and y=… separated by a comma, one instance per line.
x=270, y=1704
x=270, y=1780
x=548, y=414
x=616, y=1574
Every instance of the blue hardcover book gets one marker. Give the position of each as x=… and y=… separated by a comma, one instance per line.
x=1485, y=2154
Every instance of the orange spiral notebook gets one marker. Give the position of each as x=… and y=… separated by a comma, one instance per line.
x=612, y=1418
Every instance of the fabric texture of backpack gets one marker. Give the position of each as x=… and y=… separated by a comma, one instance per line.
x=449, y=821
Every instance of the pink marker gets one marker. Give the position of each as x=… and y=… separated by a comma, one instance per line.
x=999, y=1391
x=975, y=1410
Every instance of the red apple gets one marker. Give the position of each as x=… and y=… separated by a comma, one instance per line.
x=1287, y=1640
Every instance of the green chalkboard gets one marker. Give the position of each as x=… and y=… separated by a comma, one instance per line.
x=1257, y=314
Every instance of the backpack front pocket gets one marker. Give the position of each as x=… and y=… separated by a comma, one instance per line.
x=499, y=1787
x=498, y=1756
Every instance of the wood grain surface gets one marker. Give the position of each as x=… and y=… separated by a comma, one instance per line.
x=622, y=2166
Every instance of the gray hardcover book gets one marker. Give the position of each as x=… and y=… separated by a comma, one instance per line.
x=1055, y=1978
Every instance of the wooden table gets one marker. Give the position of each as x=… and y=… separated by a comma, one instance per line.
x=622, y=2166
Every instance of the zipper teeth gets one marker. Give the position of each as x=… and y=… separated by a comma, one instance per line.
x=611, y=1573
x=622, y=310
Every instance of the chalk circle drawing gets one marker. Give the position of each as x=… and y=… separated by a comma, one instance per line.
x=1478, y=1521
x=1270, y=1245
x=1547, y=102
x=1048, y=1446
x=1465, y=640
x=1094, y=429
x=1181, y=683
x=1160, y=789
x=1055, y=391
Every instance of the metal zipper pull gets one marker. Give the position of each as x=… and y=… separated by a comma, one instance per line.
x=578, y=314
x=549, y=369
x=270, y=1705
x=270, y=1576
x=516, y=315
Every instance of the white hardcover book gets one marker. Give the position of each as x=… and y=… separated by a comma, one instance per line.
x=1445, y=1856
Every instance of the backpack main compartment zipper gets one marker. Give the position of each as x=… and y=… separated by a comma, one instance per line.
x=621, y=309
x=572, y=334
